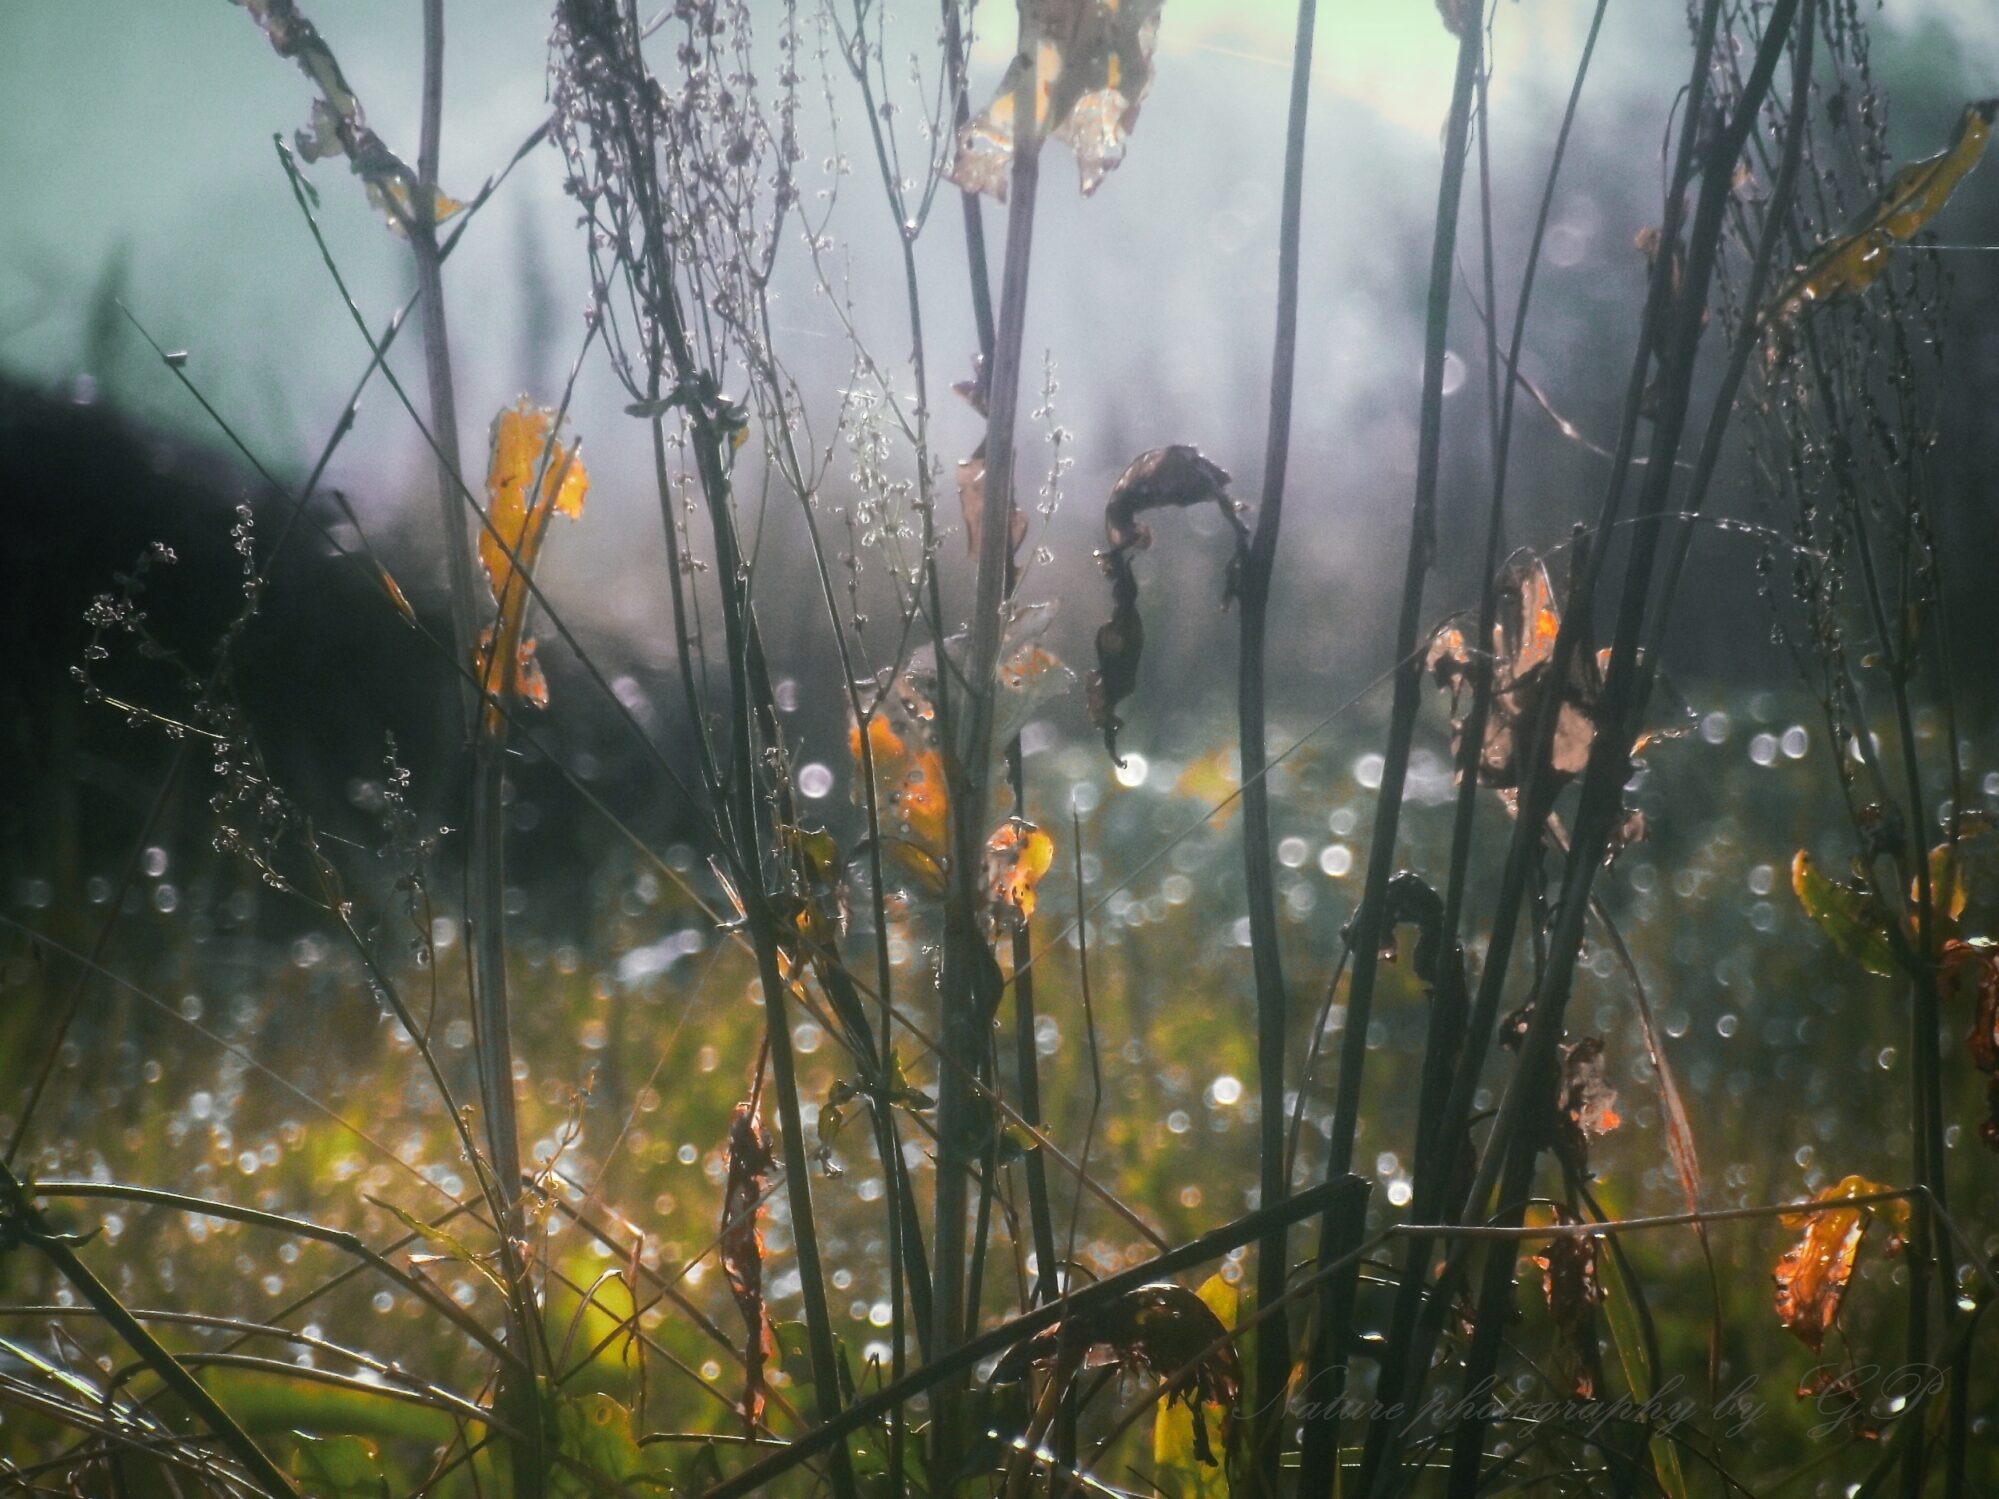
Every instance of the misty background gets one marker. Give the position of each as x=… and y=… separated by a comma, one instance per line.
x=140, y=165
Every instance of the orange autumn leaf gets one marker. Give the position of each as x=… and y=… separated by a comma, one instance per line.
x=909, y=774
x=1017, y=855
x=1812, y=1275
x=531, y=476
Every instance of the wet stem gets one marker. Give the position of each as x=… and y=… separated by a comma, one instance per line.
x=486, y=864
x=1273, y=1344
x=971, y=976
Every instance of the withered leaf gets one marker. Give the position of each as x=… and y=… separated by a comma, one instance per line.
x=1812, y=1275
x=1017, y=855
x=532, y=476
x=1651, y=243
x=742, y=1248
x=1179, y=1433
x=1850, y=263
x=337, y=126
x=909, y=757
x=1586, y=1104
x=1523, y=648
x=396, y=595
x=972, y=502
x=1157, y=1330
x=1970, y=972
x=1959, y=868
x=1573, y=1289
x=1176, y=476
x=913, y=798
x=1413, y=900
x=1087, y=65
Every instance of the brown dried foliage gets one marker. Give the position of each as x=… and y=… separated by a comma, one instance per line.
x=1176, y=476
x=751, y=1161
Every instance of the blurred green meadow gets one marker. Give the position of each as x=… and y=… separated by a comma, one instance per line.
x=263, y=1072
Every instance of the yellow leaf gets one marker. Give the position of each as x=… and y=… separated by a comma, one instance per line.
x=1017, y=855
x=1916, y=194
x=1813, y=1273
x=390, y=197
x=1173, y=1450
x=1950, y=880
x=532, y=476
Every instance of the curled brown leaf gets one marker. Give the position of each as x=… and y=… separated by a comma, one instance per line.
x=1176, y=476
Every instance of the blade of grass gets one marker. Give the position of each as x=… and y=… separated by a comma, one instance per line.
x=27, y=1226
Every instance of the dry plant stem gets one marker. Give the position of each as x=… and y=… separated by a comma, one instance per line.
x=762, y=922
x=969, y=969
x=975, y=228
x=1027, y=1063
x=612, y=33
x=1926, y=1120
x=1368, y=923
x=1525, y=847
x=1026, y=1053
x=904, y=1250
x=24, y=1219
x=1448, y=1018
x=1336, y=1302
x=1513, y=1139
x=486, y=872
x=422, y=229
x=909, y=1274
x=1925, y=1115
x=1273, y=1344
